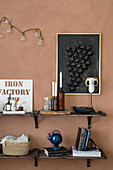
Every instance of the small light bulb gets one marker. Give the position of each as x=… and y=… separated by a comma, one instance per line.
x=1, y=36
x=40, y=41
x=22, y=37
x=36, y=33
x=9, y=29
x=6, y=21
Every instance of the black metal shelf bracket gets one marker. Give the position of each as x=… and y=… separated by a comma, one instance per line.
x=36, y=121
x=88, y=162
x=89, y=122
x=36, y=161
x=35, y=115
x=35, y=156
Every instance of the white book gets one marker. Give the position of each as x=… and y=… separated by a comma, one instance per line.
x=46, y=152
x=14, y=112
x=93, y=153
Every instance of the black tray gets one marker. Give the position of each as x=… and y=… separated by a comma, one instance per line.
x=84, y=110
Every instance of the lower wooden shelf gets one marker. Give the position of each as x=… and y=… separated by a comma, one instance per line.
x=39, y=154
x=69, y=156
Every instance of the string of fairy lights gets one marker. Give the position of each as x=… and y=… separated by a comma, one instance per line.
x=37, y=31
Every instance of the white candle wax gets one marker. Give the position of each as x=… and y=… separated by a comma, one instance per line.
x=60, y=79
x=53, y=89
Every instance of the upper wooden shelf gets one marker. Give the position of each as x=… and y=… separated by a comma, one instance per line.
x=33, y=114
x=88, y=115
x=99, y=113
x=38, y=113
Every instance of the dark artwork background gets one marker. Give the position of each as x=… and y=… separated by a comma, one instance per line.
x=75, y=52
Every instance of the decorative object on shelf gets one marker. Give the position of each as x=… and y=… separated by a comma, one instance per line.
x=20, y=91
x=7, y=106
x=37, y=31
x=91, y=88
x=78, y=56
x=15, y=104
x=91, y=145
x=55, y=139
x=92, y=85
x=54, y=97
x=15, y=109
x=16, y=145
x=84, y=110
x=21, y=108
x=47, y=103
x=60, y=96
x=52, y=112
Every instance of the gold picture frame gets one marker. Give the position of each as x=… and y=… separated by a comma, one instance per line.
x=63, y=40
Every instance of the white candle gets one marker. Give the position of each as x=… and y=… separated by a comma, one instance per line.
x=60, y=79
x=53, y=89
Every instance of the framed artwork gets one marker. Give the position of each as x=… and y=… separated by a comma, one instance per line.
x=21, y=89
x=78, y=57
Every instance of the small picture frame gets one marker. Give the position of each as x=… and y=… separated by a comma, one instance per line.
x=78, y=56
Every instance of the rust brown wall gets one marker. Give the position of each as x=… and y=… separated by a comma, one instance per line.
x=26, y=60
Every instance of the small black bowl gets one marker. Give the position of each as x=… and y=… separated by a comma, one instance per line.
x=84, y=110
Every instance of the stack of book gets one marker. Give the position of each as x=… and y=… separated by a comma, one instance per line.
x=51, y=153
x=80, y=148
x=90, y=153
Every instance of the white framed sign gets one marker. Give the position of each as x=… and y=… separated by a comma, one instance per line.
x=19, y=89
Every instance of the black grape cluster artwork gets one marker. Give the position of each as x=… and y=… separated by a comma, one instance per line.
x=79, y=59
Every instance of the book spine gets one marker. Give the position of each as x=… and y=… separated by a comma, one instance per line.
x=62, y=152
x=56, y=151
x=78, y=138
x=46, y=153
x=82, y=140
x=87, y=138
x=58, y=154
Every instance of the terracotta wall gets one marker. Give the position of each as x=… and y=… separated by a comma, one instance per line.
x=26, y=60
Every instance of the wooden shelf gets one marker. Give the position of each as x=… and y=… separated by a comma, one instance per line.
x=43, y=156
x=33, y=114
x=32, y=154
x=74, y=114
x=39, y=154
x=99, y=113
x=69, y=156
x=37, y=114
